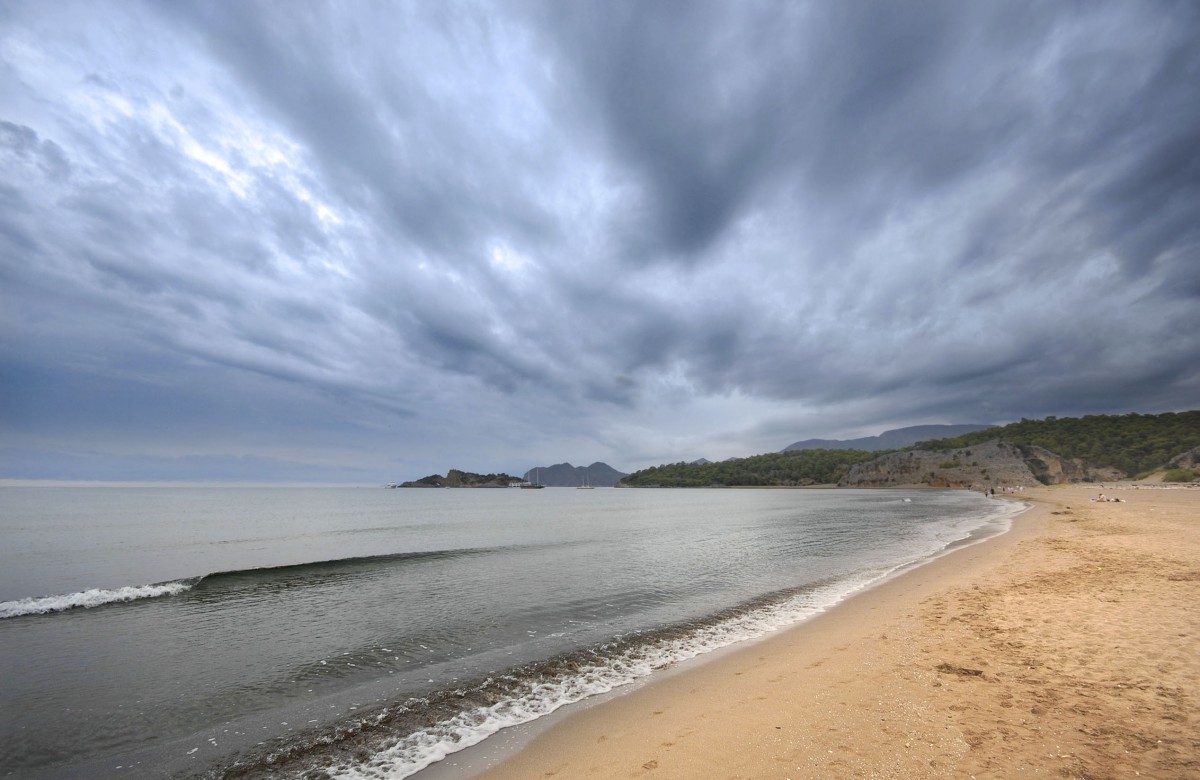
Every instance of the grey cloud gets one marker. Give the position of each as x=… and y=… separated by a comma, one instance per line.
x=12, y=231
x=23, y=141
x=544, y=223
x=711, y=107
x=398, y=151
x=687, y=118
x=1151, y=205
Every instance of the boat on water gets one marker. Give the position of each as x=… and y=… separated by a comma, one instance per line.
x=535, y=485
x=587, y=484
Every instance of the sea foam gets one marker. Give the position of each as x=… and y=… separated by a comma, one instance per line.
x=533, y=699
x=529, y=700
x=86, y=599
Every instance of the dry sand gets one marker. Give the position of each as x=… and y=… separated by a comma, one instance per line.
x=1068, y=648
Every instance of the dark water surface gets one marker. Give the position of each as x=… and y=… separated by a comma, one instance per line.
x=146, y=632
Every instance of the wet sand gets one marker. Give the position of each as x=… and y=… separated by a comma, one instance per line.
x=1067, y=648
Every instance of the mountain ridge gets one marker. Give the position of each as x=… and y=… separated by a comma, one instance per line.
x=599, y=474
x=893, y=439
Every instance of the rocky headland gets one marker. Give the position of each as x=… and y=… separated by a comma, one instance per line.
x=461, y=479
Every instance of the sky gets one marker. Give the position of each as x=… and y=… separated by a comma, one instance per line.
x=358, y=241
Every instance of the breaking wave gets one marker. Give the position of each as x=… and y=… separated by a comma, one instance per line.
x=275, y=577
x=401, y=739
x=92, y=597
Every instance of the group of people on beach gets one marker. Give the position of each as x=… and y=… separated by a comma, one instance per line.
x=991, y=491
x=1102, y=497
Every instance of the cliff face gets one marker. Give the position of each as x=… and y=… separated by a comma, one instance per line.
x=991, y=464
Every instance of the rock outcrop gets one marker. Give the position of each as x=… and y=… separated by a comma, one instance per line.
x=1186, y=460
x=991, y=464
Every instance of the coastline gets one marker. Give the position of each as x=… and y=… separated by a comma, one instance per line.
x=1060, y=647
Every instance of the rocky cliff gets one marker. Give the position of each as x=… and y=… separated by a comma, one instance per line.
x=991, y=464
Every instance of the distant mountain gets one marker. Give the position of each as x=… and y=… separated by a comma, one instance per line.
x=565, y=475
x=700, y=462
x=888, y=440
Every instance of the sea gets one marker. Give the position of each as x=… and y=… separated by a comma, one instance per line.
x=368, y=633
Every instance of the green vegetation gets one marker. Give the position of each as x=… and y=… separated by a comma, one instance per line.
x=1131, y=443
x=1134, y=444
x=776, y=469
x=455, y=478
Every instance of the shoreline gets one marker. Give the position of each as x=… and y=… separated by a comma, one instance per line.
x=480, y=759
x=984, y=659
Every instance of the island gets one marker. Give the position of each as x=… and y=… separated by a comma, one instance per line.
x=462, y=479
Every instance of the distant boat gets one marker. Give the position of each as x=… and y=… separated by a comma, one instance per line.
x=587, y=484
x=536, y=485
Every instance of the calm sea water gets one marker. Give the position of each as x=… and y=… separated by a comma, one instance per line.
x=366, y=633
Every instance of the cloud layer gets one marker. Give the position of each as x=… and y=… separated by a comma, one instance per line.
x=359, y=242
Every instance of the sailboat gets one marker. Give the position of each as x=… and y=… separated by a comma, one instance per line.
x=587, y=484
x=535, y=485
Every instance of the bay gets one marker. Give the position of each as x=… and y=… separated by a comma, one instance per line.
x=365, y=632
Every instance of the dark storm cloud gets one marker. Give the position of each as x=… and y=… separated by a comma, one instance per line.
x=517, y=229
x=867, y=110
x=423, y=169
x=711, y=105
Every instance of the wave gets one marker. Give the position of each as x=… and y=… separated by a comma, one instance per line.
x=92, y=597
x=276, y=577
x=400, y=739
x=334, y=567
x=534, y=693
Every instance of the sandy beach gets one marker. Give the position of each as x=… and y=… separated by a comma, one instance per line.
x=1066, y=648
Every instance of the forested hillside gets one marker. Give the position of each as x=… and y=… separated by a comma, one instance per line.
x=791, y=468
x=1132, y=443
